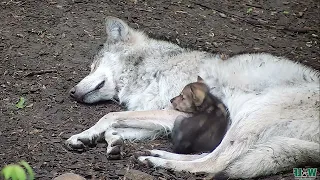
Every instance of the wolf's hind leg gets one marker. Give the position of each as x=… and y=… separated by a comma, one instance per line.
x=174, y=156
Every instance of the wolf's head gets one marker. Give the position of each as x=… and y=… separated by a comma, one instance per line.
x=102, y=82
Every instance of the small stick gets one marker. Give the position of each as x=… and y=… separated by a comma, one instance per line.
x=257, y=23
x=40, y=72
x=254, y=5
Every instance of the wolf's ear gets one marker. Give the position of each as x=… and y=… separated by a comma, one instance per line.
x=200, y=80
x=197, y=95
x=117, y=29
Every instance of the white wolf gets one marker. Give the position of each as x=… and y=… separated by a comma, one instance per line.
x=273, y=104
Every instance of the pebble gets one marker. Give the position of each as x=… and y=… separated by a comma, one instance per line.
x=133, y=174
x=222, y=15
x=69, y=176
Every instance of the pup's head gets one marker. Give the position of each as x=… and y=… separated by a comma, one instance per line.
x=191, y=97
x=102, y=82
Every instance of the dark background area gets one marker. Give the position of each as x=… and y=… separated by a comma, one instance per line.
x=63, y=36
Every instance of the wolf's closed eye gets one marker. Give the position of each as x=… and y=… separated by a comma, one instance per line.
x=100, y=85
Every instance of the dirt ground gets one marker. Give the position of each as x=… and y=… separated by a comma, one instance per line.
x=62, y=37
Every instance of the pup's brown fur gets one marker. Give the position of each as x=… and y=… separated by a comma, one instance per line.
x=203, y=131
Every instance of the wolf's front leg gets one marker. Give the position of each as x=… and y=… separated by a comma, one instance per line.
x=116, y=126
x=138, y=125
x=93, y=134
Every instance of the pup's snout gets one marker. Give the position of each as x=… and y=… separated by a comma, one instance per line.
x=171, y=100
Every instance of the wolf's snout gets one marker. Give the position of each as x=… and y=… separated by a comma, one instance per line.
x=72, y=91
x=74, y=94
x=79, y=92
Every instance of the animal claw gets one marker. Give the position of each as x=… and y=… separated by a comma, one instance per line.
x=144, y=160
x=115, y=152
x=141, y=153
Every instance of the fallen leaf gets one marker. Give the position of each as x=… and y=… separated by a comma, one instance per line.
x=222, y=15
x=30, y=105
x=35, y=131
x=20, y=104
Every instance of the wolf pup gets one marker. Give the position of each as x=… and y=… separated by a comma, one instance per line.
x=204, y=130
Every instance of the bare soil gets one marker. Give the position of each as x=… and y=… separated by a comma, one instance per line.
x=61, y=37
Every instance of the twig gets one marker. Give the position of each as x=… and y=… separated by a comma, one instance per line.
x=40, y=72
x=258, y=23
x=254, y=5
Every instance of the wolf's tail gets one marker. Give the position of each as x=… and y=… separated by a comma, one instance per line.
x=276, y=155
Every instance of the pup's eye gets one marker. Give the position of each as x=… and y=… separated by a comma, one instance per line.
x=182, y=98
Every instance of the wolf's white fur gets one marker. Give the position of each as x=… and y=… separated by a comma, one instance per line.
x=273, y=103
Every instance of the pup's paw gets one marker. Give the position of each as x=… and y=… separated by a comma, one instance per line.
x=115, y=149
x=224, y=56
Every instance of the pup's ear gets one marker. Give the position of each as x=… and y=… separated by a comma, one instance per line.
x=200, y=80
x=197, y=95
x=117, y=30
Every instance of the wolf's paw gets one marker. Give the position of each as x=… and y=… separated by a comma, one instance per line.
x=115, y=149
x=137, y=154
x=151, y=161
x=79, y=143
x=144, y=160
x=73, y=144
x=158, y=153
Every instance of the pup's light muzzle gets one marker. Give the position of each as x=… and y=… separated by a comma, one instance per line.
x=171, y=100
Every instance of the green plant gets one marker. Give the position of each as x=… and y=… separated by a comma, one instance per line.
x=285, y=12
x=21, y=103
x=16, y=172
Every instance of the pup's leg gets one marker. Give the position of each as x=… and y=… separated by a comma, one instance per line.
x=156, y=121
